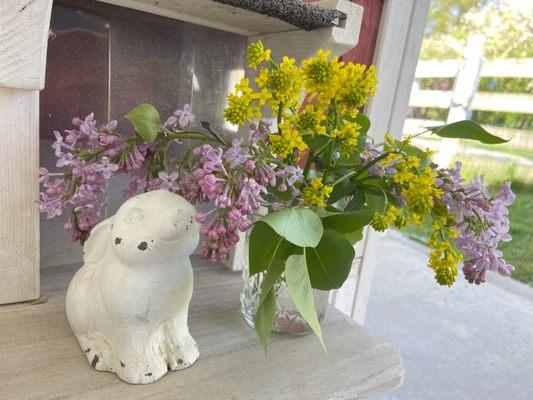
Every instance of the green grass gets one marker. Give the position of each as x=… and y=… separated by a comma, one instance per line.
x=519, y=251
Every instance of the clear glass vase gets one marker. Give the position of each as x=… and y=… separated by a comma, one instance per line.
x=288, y=319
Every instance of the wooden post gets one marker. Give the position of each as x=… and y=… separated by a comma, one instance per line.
x=464, y=89
x=23, y=39
x=396, y=55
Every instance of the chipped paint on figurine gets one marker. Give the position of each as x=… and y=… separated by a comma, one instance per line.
x=128, y=304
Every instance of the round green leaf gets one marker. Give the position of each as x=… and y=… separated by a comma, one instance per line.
x=348, y=221
x=330, y=262
x=145, y=119
x=300, y=226
x=262, y=246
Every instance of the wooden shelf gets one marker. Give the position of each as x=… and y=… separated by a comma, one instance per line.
x=210, y=13
x=40, y=358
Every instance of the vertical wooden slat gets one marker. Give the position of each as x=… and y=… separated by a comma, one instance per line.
x=19, y=227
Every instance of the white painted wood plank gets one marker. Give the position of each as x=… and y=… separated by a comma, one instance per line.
x=388, y=57
x=505, y=102
x=24, y=28
x=431, y=98
x=41, y=359
x=509, y=68
x=301, y=44
x=506, y=68
x=486, y=101
x=398, y=46
x=410, y=56
x=19, y=188
x=437, y=68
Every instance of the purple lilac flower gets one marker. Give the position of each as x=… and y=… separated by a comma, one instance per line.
x=235, y=154
x=231, y=181
x=59, y=144
x=181, y=119
x=169, y=182
x=105, y=167
x=482, y=222
x=261, y=131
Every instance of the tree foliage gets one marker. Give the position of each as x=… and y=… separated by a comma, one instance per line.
x=506, y=24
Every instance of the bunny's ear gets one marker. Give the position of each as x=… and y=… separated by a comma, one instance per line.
x=98, y=244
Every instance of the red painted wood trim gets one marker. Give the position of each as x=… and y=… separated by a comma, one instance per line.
x=363, y=52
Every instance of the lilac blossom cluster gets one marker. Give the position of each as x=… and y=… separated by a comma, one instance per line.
x=233, y=179
x=83, y=152
x=90, y=155
x=234, y=182
x=482, y=222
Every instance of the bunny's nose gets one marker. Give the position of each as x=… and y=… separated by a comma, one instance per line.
x=180, y=224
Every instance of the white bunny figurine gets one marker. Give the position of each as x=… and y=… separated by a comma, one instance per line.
x=128, y=304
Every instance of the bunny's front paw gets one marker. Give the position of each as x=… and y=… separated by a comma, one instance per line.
x=185, y=354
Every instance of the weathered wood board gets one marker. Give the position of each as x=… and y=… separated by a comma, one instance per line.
x=40, y=359
x=19, y=191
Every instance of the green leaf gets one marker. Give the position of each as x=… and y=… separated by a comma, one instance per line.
x=348, y=221
x=272, y=275
x=466, y=130
x=339, y=191
x=286, y=195
x=299, y=287
x=364, y=122
x=354, y=237
x=145, y=119
x=300, y=226
x=316, y=141
x=264, y=318
x=357, y=202
x=330, y=262
x=262, y=245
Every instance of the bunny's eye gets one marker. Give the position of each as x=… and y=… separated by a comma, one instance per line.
x=134, y=215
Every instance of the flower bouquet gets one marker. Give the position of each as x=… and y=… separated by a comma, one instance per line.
x=308, y=161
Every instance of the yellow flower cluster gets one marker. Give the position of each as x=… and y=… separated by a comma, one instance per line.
x=322, y=76
x=257, y=54
x=310, y=120
x=316, y=193
x=419, y=188
x=347, y=134
x=334, y=91
x=381, y=222
x=284, y=84
x=287, y=141
x=244, y=104
x=443, y=260
x=358, y=84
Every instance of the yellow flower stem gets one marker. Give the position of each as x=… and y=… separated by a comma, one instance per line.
x=307, y=167
x=273, y=63
x=365, y=167
x=274, y=161
x=335, y=114
x=280, y=112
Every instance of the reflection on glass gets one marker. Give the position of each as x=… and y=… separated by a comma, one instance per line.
x=107, y=59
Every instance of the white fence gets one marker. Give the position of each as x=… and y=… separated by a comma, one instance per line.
x=475, y=100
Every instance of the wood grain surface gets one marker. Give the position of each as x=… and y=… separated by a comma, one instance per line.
x=40, y=358
x=19, y=191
